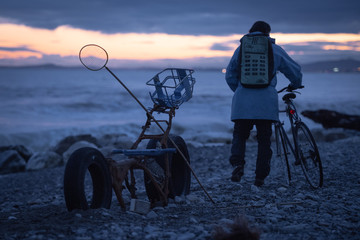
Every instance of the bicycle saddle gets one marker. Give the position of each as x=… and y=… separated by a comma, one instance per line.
x=288, y=96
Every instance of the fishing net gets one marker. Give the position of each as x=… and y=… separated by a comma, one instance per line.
x=93, y=57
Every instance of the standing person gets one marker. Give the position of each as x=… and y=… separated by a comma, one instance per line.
x=251, y=75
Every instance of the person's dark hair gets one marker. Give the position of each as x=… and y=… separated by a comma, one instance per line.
x=260, y=26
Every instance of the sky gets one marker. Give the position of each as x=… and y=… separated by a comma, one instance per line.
x=167, y=33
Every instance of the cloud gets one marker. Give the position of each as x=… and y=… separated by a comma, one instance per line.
x=22, y=45
x=320, y=51
x=16, y=49
x=186, y=17
x=221, y=47
x=66, y=41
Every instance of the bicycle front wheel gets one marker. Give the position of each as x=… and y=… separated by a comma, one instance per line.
x=309, y=156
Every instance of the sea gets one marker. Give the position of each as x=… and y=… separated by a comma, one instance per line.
x=41, y=106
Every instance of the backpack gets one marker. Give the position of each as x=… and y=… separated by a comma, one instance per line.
x=256, y=61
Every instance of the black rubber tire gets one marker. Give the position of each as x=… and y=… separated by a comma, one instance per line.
x=180, y=174
x=83, y=160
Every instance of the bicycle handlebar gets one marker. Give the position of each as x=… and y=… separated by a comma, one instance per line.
x=289, y=89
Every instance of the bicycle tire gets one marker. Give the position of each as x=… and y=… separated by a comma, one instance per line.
x=81, y=162
x=309, y=156
x=282, y=154
x=180, y=174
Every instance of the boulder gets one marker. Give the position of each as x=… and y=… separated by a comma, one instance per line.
x=11, y=161
x=75, y=147
x=64, y=144
x=115, y=140
x=20, y=149
x=41, y=160
x=106, y=151
x=332, y=119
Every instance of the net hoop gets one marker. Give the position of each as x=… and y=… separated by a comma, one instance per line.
x=93, y=57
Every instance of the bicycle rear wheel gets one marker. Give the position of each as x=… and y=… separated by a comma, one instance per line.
x=282, y=154
x=309, y=156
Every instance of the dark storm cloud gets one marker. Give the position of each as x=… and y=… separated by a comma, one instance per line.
x=186, y=17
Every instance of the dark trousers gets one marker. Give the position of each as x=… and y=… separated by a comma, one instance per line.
x=242, y=128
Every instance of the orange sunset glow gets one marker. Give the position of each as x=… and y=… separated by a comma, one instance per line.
x=66, y=41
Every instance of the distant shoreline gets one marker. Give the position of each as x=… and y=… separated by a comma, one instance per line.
x=334, y=66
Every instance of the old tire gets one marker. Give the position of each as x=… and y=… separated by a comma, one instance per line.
x=82, y=161
x=180, y=174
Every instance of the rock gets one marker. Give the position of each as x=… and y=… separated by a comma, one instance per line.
x=332, y=119
x=150, y=228
x=22, y=151
x=42, y=160
x=103, y=234
x=64, y=144
x=171, y=205
x=13, y=158
x=135, y=230
x=193, y=220
x=105, y=213
x=75, y=147
x=170, y=235
x=331, y=135
x=237, y=229
x=140, y=206
x=225, y=221
x=295, y=228
x=272, y=194
x=180, y=199
x=192, y=198
x=335, y=136
x=11, y=161
x=106, y=151
x=116, y=140
x=273, y=219
x=255, y=189
x=282, y=189
x=151, y=214
x=116, y=228
x=186, y=236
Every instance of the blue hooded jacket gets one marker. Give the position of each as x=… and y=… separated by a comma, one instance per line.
x=260, y=103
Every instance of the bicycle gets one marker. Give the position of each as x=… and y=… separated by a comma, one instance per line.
x=303, y=148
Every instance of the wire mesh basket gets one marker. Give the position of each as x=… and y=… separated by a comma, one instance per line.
x=173, y=87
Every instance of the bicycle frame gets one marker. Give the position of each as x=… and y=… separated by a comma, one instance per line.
x=283, y=143
x=279, y=127
x=139, y=158
x=294, y=118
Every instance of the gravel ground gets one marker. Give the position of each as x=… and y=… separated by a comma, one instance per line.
x=32, y=204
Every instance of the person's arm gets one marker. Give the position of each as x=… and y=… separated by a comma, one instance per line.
x=290, y=68
x=232, y=71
